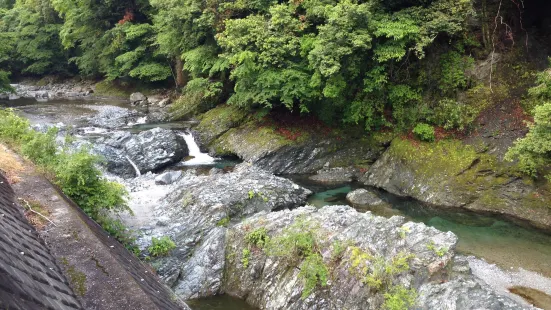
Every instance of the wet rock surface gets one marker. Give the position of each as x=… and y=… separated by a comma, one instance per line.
x=112, y=117
x=450, y=174
x=336, y=175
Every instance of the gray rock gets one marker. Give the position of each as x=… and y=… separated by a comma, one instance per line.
x=149, y=151
x=168, y=177
x=272, y=282
x=336, y=175
x=156, y=148
x=198, y=207
x=112, y=117
x=137, y=99
x=164, y=102
x=204, y=271
x=463, y=293
x=364, y=197
x=480, y=183
x=114, y=160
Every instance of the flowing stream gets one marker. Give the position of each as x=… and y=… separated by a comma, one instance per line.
x=503, y=242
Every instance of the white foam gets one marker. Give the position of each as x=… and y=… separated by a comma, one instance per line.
x=198, y=157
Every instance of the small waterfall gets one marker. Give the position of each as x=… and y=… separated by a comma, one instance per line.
x=198, y=157
x=138, y=173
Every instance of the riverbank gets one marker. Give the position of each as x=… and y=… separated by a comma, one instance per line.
x=100, y=270
x=236, y=191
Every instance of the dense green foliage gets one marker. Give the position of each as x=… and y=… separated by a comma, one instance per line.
x=369, y=62
x=534, y=151
x=73, y=170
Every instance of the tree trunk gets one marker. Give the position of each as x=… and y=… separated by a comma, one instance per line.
x=181, y=78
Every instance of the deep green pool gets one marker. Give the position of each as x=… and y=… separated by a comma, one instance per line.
x=497, y=240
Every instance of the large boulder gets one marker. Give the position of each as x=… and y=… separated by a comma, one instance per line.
x=195, y=215
x=364, y=197
x=149, y=150
x=336, y=175
x=450, y=174
x=138, y=99
x=156, y=148
x=367, y=260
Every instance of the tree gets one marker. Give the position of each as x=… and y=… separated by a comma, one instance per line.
x=534, y=151
x=111, y=38
x=34, y=27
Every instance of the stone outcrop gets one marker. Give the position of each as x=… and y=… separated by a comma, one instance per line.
x=357, y=250
x=225, y=131
x=450, y=174
x=112, y=117
x=195, y=214
x=149, y=151
x=336, y=175
x=138, y=99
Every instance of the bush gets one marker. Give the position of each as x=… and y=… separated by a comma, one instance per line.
x=534, y=151
x=399, y=298
x=161, y=246
x=424, y=132
x=41, y=147
x=13, y=129
x=78, y=177
x=298, y=244
x=74, y=172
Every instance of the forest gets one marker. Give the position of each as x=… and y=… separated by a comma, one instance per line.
x=372, y=64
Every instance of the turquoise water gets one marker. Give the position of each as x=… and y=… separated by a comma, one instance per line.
x=497, y=240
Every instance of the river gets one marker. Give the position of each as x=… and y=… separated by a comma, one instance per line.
x=512, y=246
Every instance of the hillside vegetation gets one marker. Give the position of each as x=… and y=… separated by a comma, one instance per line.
x=428, y=65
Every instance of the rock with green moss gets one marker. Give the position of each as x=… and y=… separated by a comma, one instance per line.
x=217, y=121
x=338, y=258
x=450, y=174
x=293, y=150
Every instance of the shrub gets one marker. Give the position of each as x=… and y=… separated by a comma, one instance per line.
x=79, y=179
x=74, y=172
x=13, y=129
x=41, y=147
x=298, y=245
x=534, y=151
x=257, y=237
x=161, y=246
x=399, y=298
x=424, y=132
x=313, y=272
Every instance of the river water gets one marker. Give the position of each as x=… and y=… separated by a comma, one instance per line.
x=499, y=241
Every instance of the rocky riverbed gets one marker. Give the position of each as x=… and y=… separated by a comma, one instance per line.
x=211, y=214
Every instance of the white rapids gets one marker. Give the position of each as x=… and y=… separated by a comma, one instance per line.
x=194, y=151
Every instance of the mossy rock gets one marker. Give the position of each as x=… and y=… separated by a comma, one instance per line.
x=450, y=174
x=217, y=121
